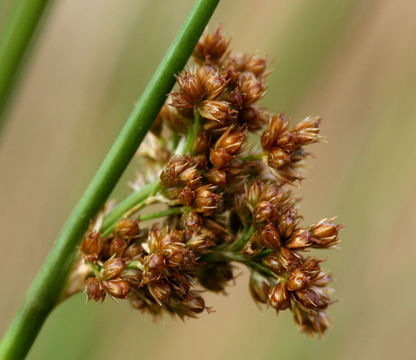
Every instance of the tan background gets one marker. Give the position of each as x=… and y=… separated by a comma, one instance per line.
x=353, y=62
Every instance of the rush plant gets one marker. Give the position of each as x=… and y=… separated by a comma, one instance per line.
x=221, y=171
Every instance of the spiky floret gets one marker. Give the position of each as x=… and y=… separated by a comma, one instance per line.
x=229, y=198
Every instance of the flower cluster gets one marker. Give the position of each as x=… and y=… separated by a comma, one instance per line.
x=225, y=168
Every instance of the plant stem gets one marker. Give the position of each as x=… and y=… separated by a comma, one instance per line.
x=50, y=281
x=245, y=236
x=190, y=137
x=131, y=201
x=162, y=213
x=14, y=42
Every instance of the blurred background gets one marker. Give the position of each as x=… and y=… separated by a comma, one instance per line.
x=350, y=61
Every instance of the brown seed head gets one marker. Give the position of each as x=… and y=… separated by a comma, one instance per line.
x=94, y=290
x=299, y=239
x=259, y=287
x=160, y=291
x=297, y=280
x=212, y=46
x=117, y=247
x=127, y=227
x=276, y=133
x=307, y=131
x=117, y=287
x=219, y=158
x=265, y=212
x=111, y=268
x=206, y=202
x=91, y=244
x=314, y=298
x=270, y=236
x=279, y=297
x=231, y=141
x=215, y=110
x=251, y=88
x=324, y=233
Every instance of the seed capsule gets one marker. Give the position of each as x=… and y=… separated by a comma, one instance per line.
x=270, y=236
x=300, y=239
x=279, y=297
x=297, y=280
x=127, y=227
x=117, y=287
x=265, y=212
x=91, y=243
x=259, y=287
x=111, y=268
x=94, y=290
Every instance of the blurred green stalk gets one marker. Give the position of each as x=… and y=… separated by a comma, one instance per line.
x=14, y=41
x=50, y=281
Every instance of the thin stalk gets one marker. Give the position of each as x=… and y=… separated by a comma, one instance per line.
x=46, y=289
x=245, y=236
x=128, y=203
x=14, y=42
x=162, y=213
x=190, y=137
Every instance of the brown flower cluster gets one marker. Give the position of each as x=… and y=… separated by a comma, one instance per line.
x=229, y=166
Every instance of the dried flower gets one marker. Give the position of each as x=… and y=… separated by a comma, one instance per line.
x=225, y=189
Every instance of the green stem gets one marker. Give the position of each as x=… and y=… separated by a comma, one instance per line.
x=162, y=213
x=46, y=289
x=131, y=201
x=221, y=256
x=14, y=42
x=245, y=236
x=190, y=137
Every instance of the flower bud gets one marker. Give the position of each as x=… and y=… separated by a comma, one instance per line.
x=277, y=127
x=160, y=290
x=212, y=80
x=299, y=239
x=175, y=166
x=127, y=227
x=259, y=287
x=273, y=193
x=219, y=158
x=278, y=158
x=215, y=110
x=297, y=280
x=270, y=236
x=231, y=141
x=117, y=247
x=307, y=131
x=186, y=196
x=211, y=46
x=206, y=202
x=191, y=221
x=133, y=251
x=132, y=276
x=94, y=290
x=314, y=298
x=194, y=302
x=324, y=233
x=216, y=177
x=279, y=297
x=91, y=244
x=111, y=268
x=253, y=193
x=287, y=223
x=272, y=263
x=251, y=88
x=175, y=254
x=264, y=212
x=117, y=287
x=201, y=143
